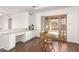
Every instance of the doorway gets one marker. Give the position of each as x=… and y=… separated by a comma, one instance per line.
x=10, y=23
x=56, y=26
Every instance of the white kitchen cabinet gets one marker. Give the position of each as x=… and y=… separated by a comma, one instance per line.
x=8, y=38
x=12, y=41
x=1, y=41
x=8, y=41
x=30, y=34
x=20, y=21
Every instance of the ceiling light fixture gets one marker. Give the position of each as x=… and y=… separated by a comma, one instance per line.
x=35, y=7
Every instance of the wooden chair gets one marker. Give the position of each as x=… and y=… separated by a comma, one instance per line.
x=46, y=42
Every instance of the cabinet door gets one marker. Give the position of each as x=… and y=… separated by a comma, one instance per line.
x=1, y=41
x=28, y=35
x=12, y=41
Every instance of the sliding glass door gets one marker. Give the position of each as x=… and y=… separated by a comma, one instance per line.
x=56, y=26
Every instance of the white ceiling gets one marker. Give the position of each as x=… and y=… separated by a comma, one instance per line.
x=8, y=10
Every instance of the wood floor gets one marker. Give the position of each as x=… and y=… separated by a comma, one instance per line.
x=30, y=46
x=34, y=45
x=63, y=46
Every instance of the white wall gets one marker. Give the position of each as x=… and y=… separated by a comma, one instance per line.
x=4, y=22
x=18, y=21
x=1, y=24
x=32, y=19
x=72, y=21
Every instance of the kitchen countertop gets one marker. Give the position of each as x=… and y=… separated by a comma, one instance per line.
x=12, y=31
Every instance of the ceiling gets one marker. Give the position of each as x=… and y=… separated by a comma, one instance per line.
x=8, y=10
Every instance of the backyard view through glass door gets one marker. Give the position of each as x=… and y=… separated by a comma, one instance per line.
x=56, y=26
